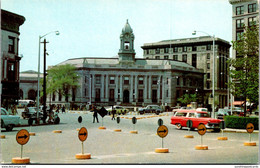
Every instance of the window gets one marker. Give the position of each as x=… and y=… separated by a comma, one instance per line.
x=208, y=65
x=209, y=47
x=208, y=55
x=208, y=85
x=251, y=21
x=178, y=81
x=208, y=75
x=166, y=50
x=251, y=8
x=194, y=48
x=184, y=81
x=240, y=23
x=184, y=49
x=98, y=79
x=111, y=80
x=141, y=80
x=140, y=95
x=166, y=57
x=154, y=80
x=194, y=60
x=175, y=49
x=184, y=58
x=127, y=45
x=157, y=51
x=157, y=57
x=175, y=57
x=11, y=45
x=239, y=10
x=97, y=98
x=126, y=80
x=167, y=93
x=239, y=35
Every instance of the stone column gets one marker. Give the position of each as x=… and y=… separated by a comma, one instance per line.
x=116, y=89
x=150, y=89
x=121, y=88
x=102, y=90
x=158, y=88
x=107, y=91
x=131, y=88
x=163, y=90
x=145, y=88
x=93, y=88
x=136, y=89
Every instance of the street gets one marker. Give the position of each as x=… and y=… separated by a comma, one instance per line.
x=109, y=147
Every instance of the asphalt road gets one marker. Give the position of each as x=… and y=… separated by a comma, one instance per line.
x=109, y=147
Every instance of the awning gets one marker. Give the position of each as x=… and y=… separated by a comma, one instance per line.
x=238, y=103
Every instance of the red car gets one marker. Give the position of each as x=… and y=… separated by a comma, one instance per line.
x=181, y=117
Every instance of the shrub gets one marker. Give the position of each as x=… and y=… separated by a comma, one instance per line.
x=241, y=122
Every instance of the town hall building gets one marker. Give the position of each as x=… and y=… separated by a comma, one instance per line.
x=129, y=80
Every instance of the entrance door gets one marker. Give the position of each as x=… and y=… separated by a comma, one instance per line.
x=126, y=96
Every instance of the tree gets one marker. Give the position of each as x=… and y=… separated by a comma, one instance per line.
x=187, y=98
x=61, y=79
x=245, y=67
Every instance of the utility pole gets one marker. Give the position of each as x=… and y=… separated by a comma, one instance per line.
x=44, y=80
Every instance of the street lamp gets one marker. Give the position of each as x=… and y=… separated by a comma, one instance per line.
x=213, y=72
x=38, y=86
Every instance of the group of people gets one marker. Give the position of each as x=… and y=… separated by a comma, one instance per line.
x=102, y=110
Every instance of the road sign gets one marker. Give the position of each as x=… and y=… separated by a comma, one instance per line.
x=83, y=134
x=160, y=122
x=250, y=127
x=222, y=125
x=162, y=131
x=80, y=119
x=22, y=137
x=201, y=129
x=189, y=123
x=118, y=120
x=134, y=120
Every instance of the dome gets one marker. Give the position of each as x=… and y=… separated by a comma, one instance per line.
x=127, y=28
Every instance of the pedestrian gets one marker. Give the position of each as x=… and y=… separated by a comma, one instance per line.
x=113, y=114
x=95, y=114
x=63, y=109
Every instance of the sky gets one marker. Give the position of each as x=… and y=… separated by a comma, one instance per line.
x=91, y=28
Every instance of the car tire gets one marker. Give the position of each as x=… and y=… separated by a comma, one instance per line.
x=178, y=125
x=9, y=127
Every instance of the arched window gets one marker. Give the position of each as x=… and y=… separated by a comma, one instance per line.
x=32, y=94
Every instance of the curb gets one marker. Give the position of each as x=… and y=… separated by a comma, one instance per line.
x=238, y=131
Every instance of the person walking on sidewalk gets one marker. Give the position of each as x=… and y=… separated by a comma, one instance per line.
x=95, y=114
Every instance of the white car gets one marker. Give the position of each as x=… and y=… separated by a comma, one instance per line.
x=9, y=121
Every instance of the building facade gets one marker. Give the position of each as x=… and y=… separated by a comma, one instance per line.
x=10, y=59
x=244, y=13
x=131, y=81
x=198, y=53
x=28, y=85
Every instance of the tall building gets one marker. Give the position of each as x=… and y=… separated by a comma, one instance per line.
x=244, y=13
x=131, y=81
x=10, y=59
x=197, y=52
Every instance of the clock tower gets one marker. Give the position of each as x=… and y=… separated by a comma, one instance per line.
x=126, y=52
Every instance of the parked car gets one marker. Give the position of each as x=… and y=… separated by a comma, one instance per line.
x=150, y=109
x=119, y=110
x=31, y=112
x=197, y=117
x=8, y=121
x=202, y=109
x=221, y=113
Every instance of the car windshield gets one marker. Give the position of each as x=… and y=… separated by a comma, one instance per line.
x=32, y=110
x=199, y=115
x=181, y=114
x=3, y=112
